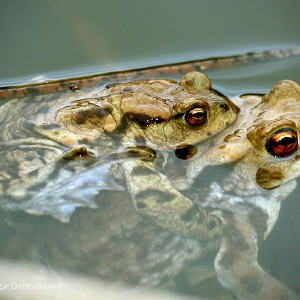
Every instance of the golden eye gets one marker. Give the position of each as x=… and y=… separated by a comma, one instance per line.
x=283, y=142
x=196, y=116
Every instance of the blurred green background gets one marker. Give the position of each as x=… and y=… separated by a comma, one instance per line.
x=40, y=36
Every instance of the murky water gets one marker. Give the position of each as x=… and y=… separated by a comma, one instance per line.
x=70, y=38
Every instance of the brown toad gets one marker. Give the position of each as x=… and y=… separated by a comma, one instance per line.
x=56, y=151
x=263, y=147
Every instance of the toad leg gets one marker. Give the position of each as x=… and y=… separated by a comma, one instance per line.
x=154, y=196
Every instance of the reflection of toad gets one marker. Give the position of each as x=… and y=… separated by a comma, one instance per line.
x=113, y=242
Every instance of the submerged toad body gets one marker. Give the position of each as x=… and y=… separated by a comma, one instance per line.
x=55, y=150
x=263, y=148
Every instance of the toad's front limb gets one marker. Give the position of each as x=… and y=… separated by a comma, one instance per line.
x=154, y=196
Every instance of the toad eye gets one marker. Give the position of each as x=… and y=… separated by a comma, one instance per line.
x=283, y=142
x=196, y=116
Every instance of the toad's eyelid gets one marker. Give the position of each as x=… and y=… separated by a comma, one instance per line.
x=188, y=108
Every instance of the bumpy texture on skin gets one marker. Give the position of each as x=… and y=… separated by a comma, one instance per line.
x=231, y=215
x=62, y=147
x=263, y=147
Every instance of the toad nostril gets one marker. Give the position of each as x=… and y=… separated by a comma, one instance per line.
x=224, y=106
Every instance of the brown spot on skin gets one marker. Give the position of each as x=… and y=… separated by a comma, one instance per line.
x=261, y=114
x=78, y=154
x=190, y=213
x=144, y=120
x=127, y=89
x=79, y=118
x=228, y=137
x=144, y=109
x=186, y=152
x=94, y=115
x=144, y=153
x=267, y=179
x=158, y=195
x=258, y=220
x=55, y=132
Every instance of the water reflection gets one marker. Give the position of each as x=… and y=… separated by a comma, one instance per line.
x=116, y=242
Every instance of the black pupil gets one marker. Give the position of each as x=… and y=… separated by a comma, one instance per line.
x=283, y=143
x=286, y=141
x=196, y=116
